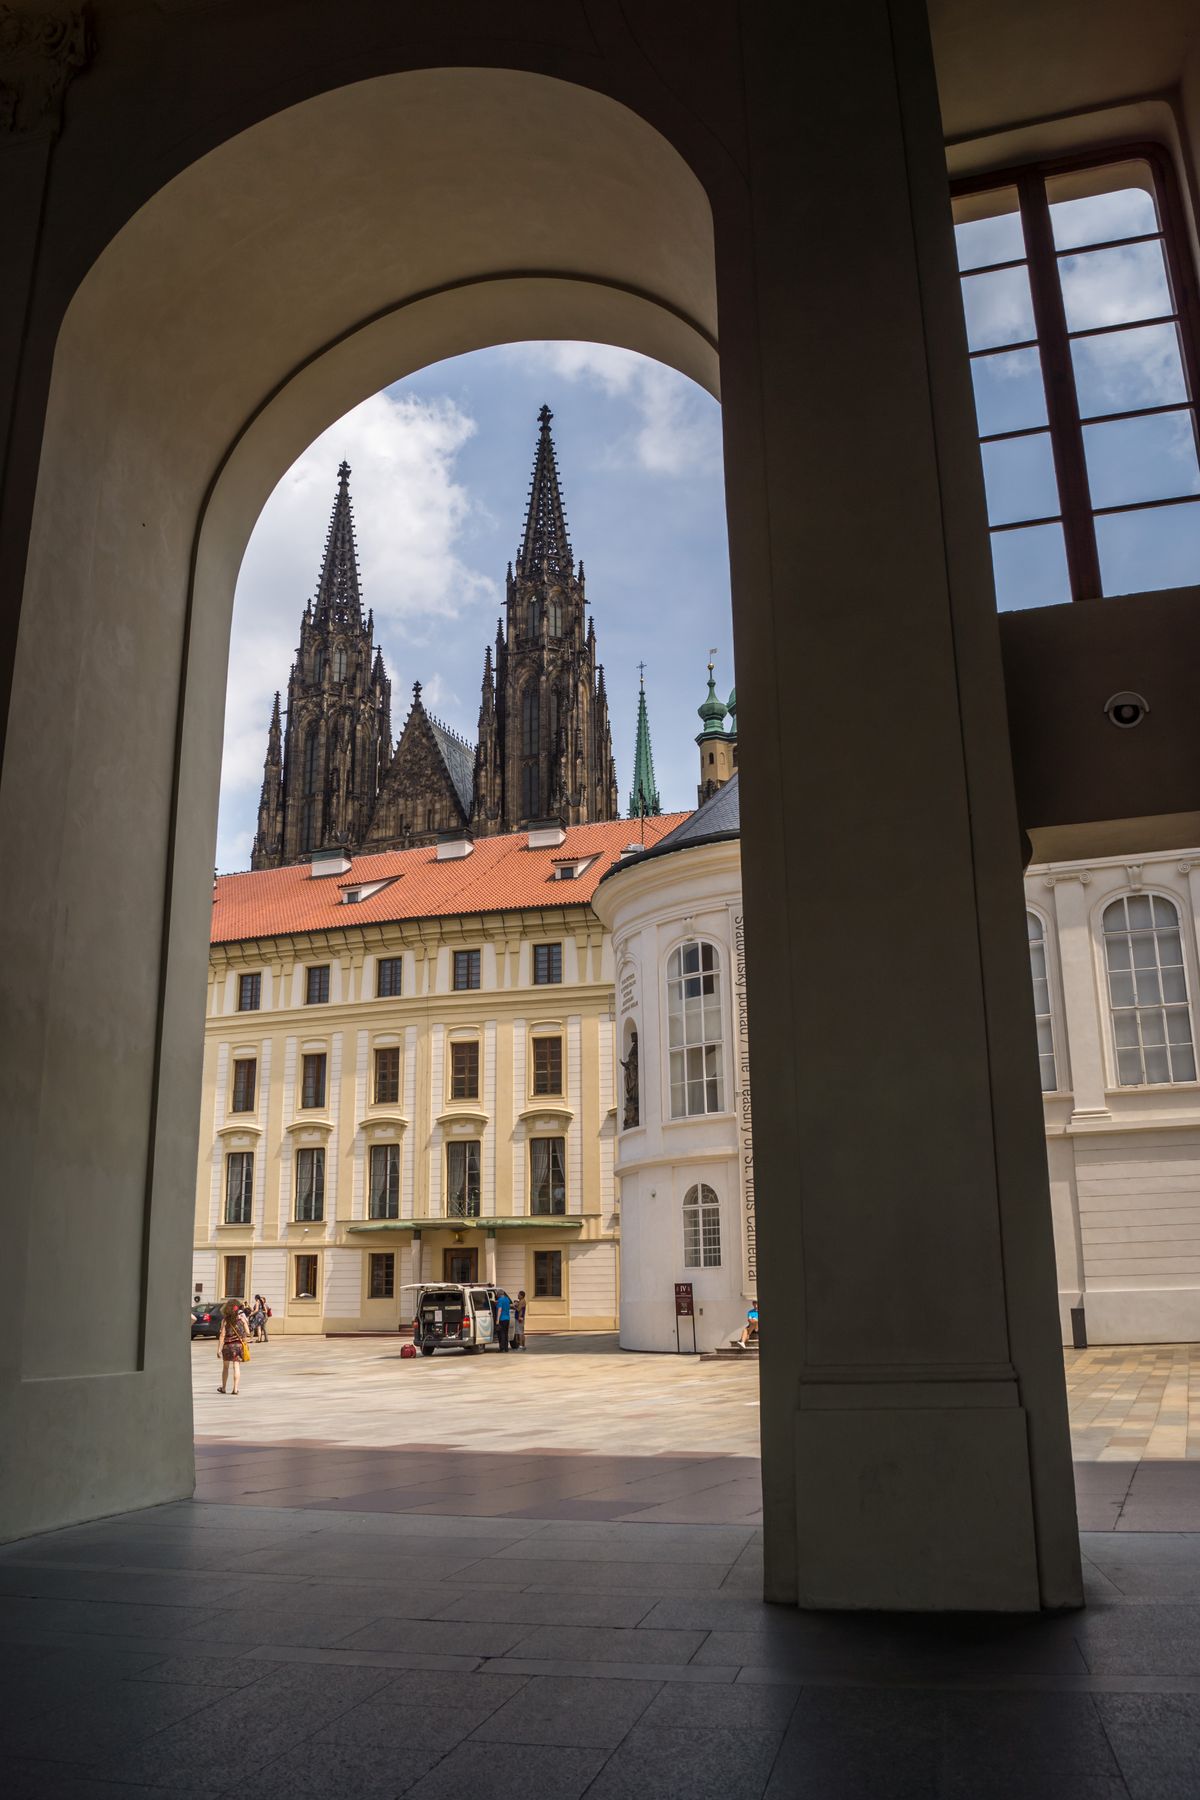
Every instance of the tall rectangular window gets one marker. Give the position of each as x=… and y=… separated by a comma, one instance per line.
x=1042, y=1006
x=249, y=992
x=316, y=991
x=547, y=1177
x=695, y=1029
x=235, y=1278
x=244, y=1070
x=388, y=972
x=382, y=1282
x=547, y=964
x=387, y=1075
x=464, y=1070
x=312, y=1079
x=310, y=1185
x=547, y=1065
x=1147, y=991
x=385, y=1181
x=1083, y=351
x=547, y=1275
x=462, y=1179
x=306, y=1278
x=239, y=1187
x=466, y=969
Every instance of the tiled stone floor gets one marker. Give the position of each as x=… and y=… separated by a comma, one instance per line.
x=280, y=1652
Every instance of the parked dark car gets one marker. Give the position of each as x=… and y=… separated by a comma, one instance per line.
x=206, y=1319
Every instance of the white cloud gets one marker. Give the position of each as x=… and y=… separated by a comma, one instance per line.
x=410, y=516
x=677, y=432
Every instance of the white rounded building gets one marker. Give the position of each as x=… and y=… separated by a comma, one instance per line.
x=684, y=1158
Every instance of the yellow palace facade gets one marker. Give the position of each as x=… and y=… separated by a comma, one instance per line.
x=409, y=1074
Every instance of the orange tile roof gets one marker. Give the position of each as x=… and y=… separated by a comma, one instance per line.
x=501, y=875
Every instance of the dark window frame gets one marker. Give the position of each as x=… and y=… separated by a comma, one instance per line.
x=388, y=986
x=547, y=965
x=315, y=1200
x=235, y=1290
x=314, y=1064
x=250, y=992
x=1053, y=341
x=239, y=1211
x=316, y=976
x=471, y=1178
x=383, y=1200
x=304, y=1290
x=386, y=1088
x=548, y=1205
x=244, y=1086
x=381, y=1275
x=468, y=964
x=459, y=1090
x=545, y=1084
x=547, y=1274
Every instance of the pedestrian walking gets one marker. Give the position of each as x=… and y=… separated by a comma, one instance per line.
x=503, y=1319
x=519, y=1317
x=258, y=1320
x=231, y=1344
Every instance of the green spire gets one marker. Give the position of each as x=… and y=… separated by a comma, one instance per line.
x=643, y=796
x=711, y=710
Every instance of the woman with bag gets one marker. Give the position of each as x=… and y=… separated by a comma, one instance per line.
x=232, y=1347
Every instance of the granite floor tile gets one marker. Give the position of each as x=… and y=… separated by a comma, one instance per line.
x=1141, y=1640
x=562, y=1710
x=563, y=1607
x=341, y=1772
x=1156, y=1741
x=26, y=1780
x=603, y=1578
x=602, y=1643
x=437, y=1637
x=712, y=1764
x=422, y=1709
x=103, y=1618
x=512, y=1772
x=304, y=1621
x=1024, y=1735
x=738, y=1708
x=91, y=1726
x=860, y=1744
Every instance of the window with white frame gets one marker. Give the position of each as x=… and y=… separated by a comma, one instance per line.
x=694, y=1029
x=239, y=1187
x=701, y=1228
x=1042, y=1010
x=310, y=1185
x=385, y=1181
x=462, y=1178
x=1147, y=991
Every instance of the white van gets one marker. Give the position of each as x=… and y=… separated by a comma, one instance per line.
x=454, y=1315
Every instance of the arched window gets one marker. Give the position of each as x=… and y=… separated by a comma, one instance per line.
x=555, y=617
x=530, y=720
x=701, y=1228
x=308, y=825
x=318, y=665
x=310, y=760
x=1042, y=1009
x=695, y=1029
x=339, y=664
x=530, y=791
x=1147, y=991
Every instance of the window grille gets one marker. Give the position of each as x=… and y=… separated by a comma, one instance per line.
x=385, y=1181
x=547, y=1177
x=387, y=1076
x=462, y=1179
x=249, y=993
x=1147, y=991
x=1042, y=1008
x=464, y=1070
x=1082, y=336
x=312, y=1080
x=695, y=1029
x=244, y=1072
x=466, y=969
x=310, y=1185
x=239, y=1187
x=547, y=1065
x=547, y=964
x=701, y=1228
x=388, y=971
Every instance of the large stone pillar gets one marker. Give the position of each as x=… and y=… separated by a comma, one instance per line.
x=915, y=1440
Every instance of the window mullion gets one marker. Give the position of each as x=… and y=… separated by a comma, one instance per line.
x=1062, y=406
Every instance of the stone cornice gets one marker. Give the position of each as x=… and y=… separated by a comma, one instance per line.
x=43, y=45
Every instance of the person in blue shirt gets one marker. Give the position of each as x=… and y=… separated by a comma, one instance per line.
x=750, y=1328
x=503, y=1318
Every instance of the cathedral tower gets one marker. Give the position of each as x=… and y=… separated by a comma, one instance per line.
x=643, y=795
x=337, y=743
x=544, y=742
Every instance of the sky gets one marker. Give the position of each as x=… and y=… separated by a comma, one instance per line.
x=440, y=466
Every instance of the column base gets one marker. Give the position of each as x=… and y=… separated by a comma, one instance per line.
x=915, y=1509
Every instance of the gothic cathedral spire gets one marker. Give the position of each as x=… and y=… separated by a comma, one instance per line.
x=643, y=796
x=544, y=741
x=337, y=740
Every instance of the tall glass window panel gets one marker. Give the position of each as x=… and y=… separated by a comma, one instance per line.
x=387, y=1075
x=239, y=1187
x=382, y=1275
x=388, y=973
x=547, y=1065
x=244, y=1071
x=249, y=993
x=1150, y=457
x=1114, y=287
x=466, y=970
x=462, y=1179
x=310, y=1185
x=1042, y=1009
x=312, y=1080
x=1124, y=371
x=1009, y=392
x=695, y=1029
x=1147, y=990
x=1102, y=205
x=1019, y=479
x=464, y=1070
x=547, y=1177
x=701, y=1228
x=385, y=1181
x=1030, y=567
x=1156, y=548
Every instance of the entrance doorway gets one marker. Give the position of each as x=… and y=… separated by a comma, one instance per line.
x=460, y=1265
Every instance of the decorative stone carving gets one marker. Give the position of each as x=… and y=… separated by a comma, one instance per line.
x=41, y=48
x=632, y=1115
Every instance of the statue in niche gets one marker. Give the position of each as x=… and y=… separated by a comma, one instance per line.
x=630, y=1066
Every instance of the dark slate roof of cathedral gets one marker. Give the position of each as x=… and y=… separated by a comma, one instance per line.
x=459, y=759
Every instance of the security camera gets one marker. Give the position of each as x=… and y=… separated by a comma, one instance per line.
x=1126, y=710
